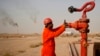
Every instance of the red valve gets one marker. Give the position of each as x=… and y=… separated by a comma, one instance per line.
x=81, y=25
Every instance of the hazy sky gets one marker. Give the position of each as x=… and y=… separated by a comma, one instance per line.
x=26, y=16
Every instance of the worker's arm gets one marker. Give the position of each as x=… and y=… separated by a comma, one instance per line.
x=65, y=23
x=57, y=32
x=55, y=29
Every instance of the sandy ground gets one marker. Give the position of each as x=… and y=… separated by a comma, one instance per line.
x=27, y=46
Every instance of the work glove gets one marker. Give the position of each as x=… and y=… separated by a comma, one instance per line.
x=65, y=23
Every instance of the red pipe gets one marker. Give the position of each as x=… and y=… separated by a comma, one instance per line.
x=85, y=9
x=91, y=3
x=84, y=34
x=83, y=43
x=82, y=24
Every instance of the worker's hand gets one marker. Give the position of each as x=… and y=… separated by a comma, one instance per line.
x=65, y=23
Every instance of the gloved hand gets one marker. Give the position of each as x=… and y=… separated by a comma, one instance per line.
x=65, y=23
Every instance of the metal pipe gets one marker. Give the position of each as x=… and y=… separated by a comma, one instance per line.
x=82, y=24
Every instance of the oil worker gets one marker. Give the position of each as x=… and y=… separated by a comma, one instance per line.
x=49, y=34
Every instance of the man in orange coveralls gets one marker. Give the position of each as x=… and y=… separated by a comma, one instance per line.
x=49, y=34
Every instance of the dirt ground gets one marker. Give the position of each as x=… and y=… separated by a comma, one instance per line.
x=31, y=46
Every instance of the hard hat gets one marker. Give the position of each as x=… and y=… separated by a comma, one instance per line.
x=47, y=20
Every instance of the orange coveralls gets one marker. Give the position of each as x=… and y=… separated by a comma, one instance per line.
x=48, y=48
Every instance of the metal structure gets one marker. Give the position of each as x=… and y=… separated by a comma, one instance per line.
x=82, y=24
x=72, y=49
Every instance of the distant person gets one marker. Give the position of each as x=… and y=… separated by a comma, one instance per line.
x=49, y=34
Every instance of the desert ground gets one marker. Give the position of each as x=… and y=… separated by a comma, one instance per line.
x=30, y=45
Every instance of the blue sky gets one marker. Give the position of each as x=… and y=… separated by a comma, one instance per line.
x=29, y=14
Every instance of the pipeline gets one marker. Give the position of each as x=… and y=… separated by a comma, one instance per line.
x=85, y=8
x=82, y=24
